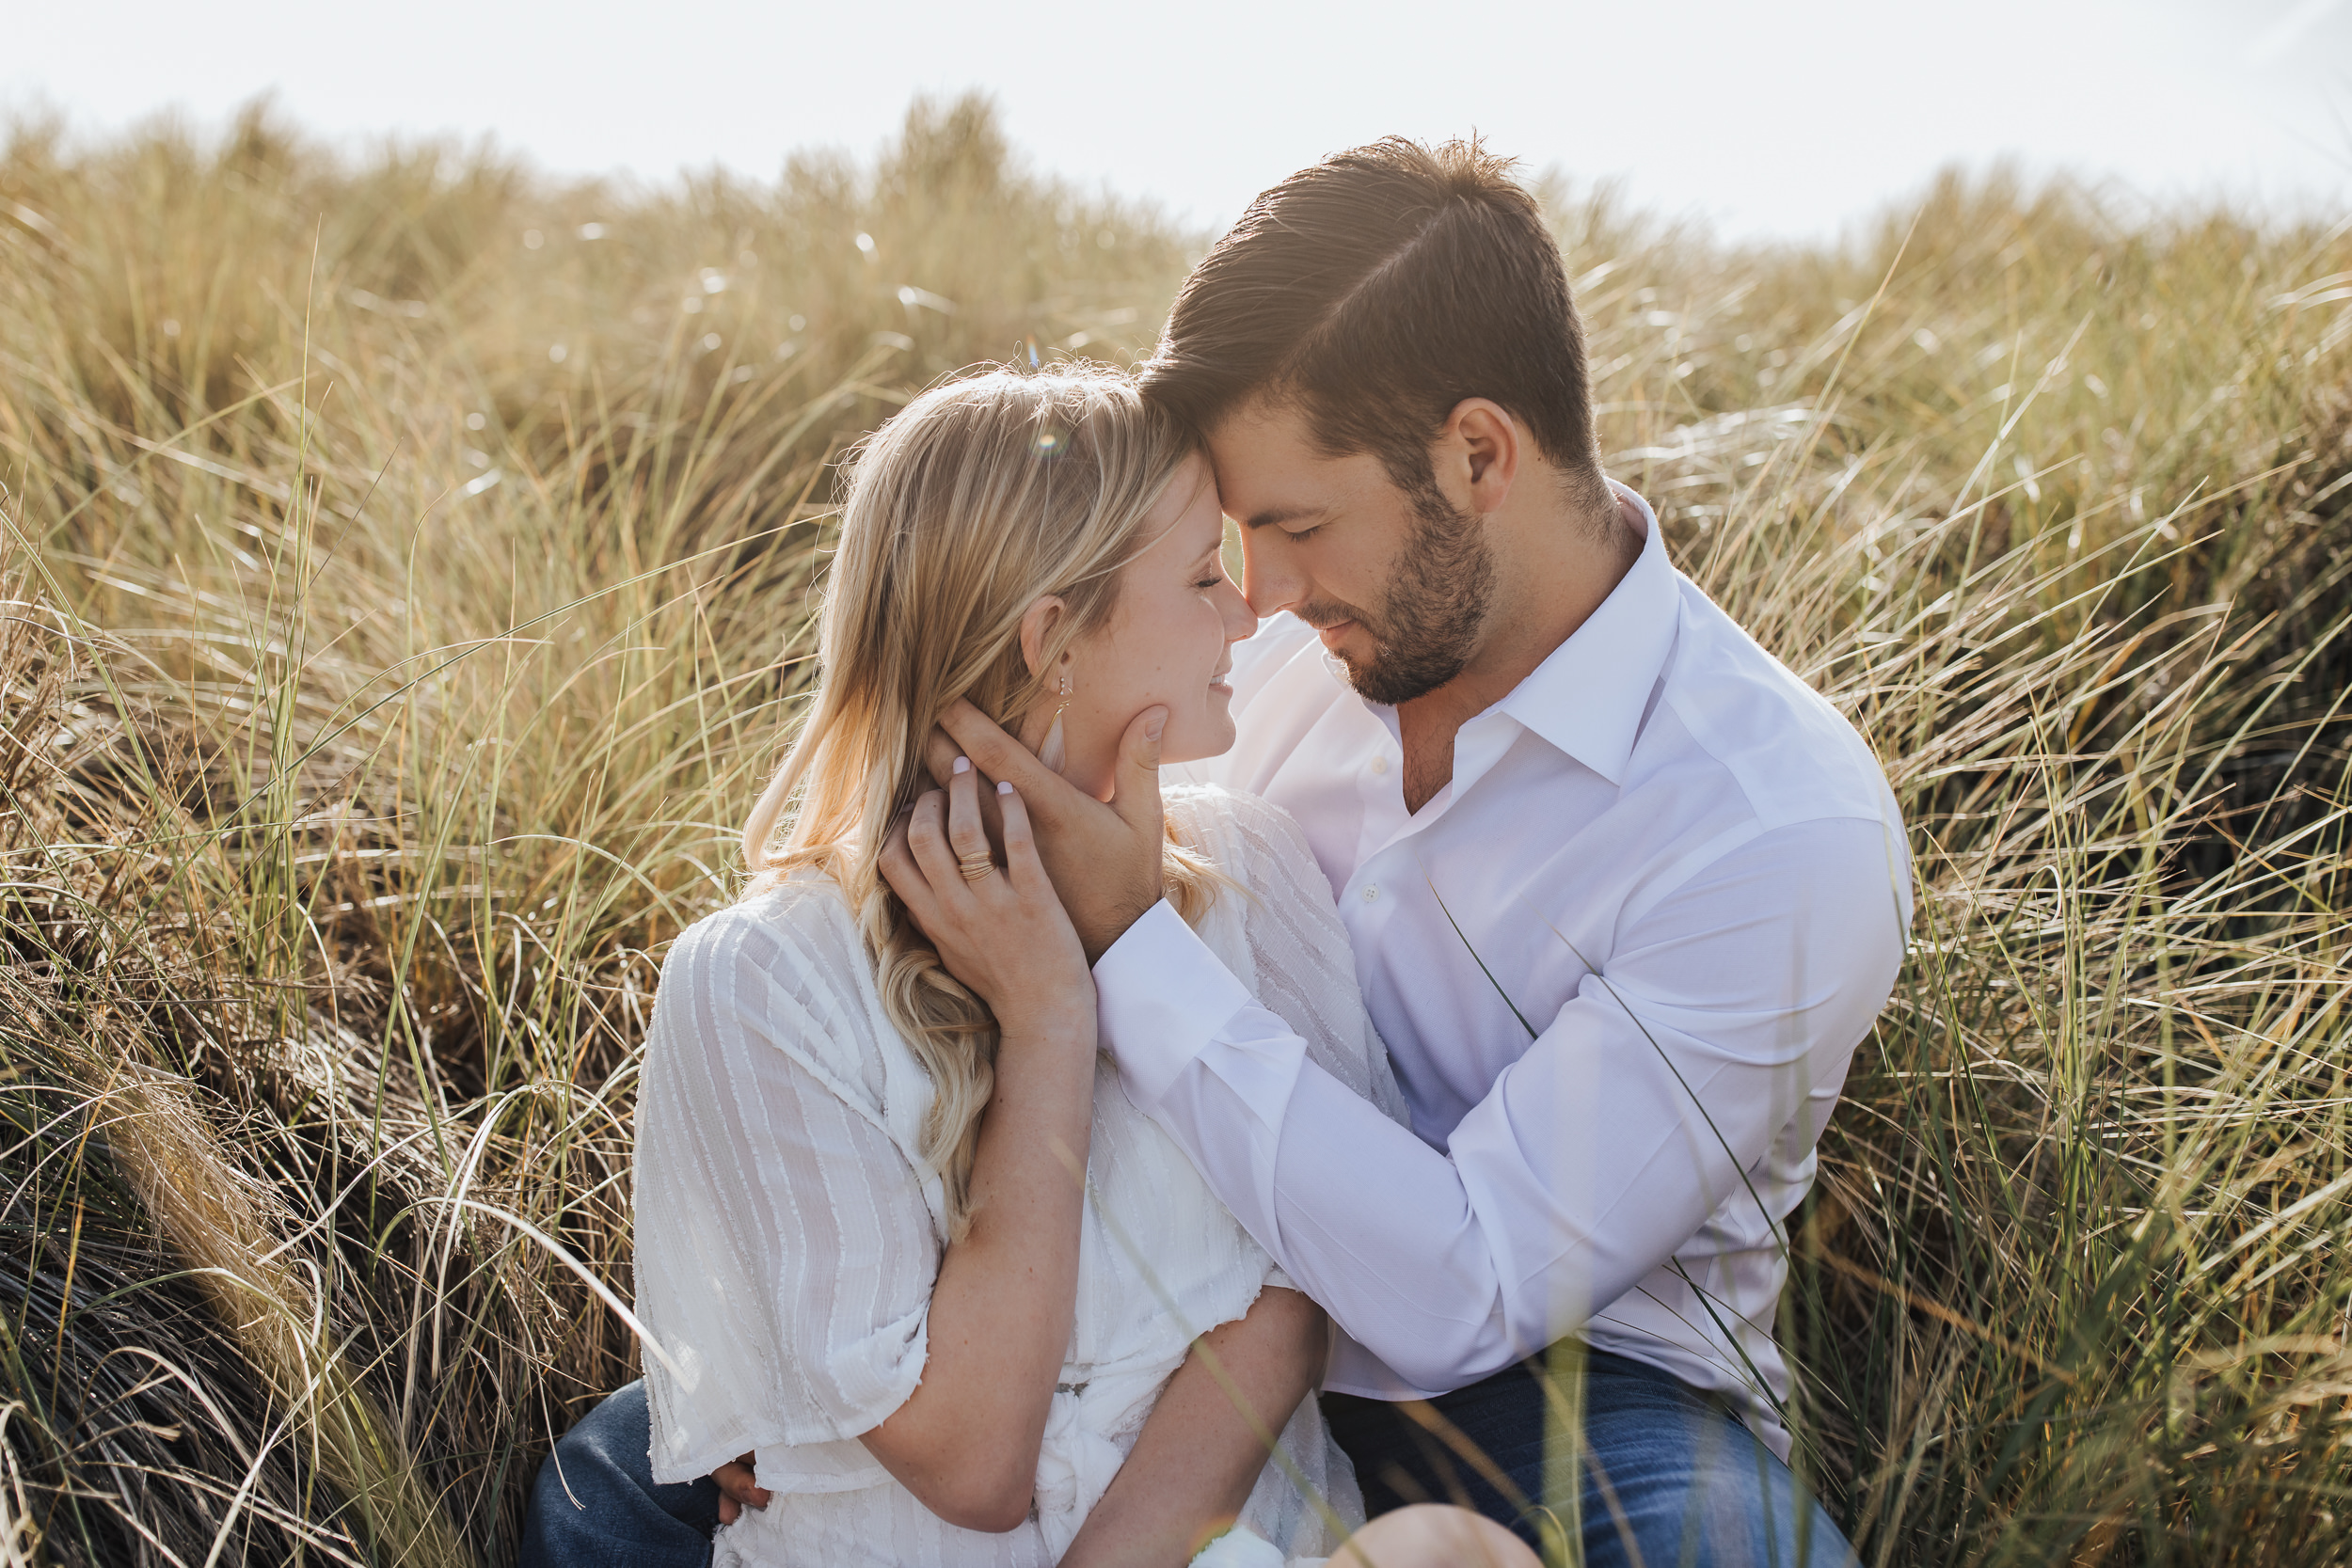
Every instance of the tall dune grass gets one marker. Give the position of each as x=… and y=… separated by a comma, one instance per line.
x=407, y=567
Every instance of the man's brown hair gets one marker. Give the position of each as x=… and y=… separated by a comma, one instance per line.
x=1375, y=292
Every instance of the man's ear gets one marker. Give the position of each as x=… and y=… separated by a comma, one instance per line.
x=1037, y=628
x=1482, y=445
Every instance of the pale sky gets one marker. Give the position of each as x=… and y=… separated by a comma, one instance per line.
x=1787, y=119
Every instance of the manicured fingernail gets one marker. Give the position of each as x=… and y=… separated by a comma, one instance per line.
x=1004, y=787
x=963, y=764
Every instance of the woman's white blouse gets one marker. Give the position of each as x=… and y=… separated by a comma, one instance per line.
x=788, y=1229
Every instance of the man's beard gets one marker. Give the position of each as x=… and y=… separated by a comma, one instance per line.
x=1428, y=623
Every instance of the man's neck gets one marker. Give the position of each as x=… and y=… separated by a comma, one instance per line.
x=1555, y=568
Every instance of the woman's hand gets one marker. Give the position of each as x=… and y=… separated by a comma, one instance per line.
x=966, y=1440
x=1104, y=859
x=1000, y=930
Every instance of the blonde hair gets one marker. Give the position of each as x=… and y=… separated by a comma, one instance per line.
x=980, y=497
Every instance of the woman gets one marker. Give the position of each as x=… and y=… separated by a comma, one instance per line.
x=904, y=1239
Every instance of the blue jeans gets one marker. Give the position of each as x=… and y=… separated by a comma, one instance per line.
x=1669, y=1478
x=596, y=1504
x=1687, y=1486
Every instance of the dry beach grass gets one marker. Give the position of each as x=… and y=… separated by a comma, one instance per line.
x=407, y=564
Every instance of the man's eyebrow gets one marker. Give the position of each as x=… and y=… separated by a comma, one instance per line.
x=1282, y=514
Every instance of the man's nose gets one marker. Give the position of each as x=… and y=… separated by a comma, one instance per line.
x=1269, y=585
x=1241, y=622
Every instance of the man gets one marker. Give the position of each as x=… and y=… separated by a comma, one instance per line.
x=1624, y=894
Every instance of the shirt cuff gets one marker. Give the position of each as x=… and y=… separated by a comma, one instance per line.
x=1160, y=996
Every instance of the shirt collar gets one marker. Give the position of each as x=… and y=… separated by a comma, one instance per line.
x=1588, y=696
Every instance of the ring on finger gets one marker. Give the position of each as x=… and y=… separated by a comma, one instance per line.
x=976, y=866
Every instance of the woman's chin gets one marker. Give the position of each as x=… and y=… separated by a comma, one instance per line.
x=1211, y=736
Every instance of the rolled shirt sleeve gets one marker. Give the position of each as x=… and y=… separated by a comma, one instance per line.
x=1717, y=1031
x=786, y=1250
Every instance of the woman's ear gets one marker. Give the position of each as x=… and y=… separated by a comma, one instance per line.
x=1037, y=628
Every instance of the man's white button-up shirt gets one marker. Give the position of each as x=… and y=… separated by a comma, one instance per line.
x=1620, y=961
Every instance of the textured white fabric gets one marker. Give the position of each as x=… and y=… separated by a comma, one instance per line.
x=788, y=1230
x=1241, y=1548
x=1620, y=961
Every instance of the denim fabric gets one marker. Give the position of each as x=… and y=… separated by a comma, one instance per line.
x=1687, y=1486
x=1670, y=1480
x=596, y=1504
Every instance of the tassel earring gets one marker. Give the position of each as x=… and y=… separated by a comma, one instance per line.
x=1054, y=751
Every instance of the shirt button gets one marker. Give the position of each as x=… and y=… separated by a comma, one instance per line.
x=1371, y=891
x=1379, y=765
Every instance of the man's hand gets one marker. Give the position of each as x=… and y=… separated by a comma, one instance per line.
x=737, y=1490
x=1104, y=860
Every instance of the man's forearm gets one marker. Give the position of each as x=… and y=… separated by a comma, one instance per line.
x=1654, y=1097
x=1360, y=1214
x=1374, y=1224
x=1206, y=1440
